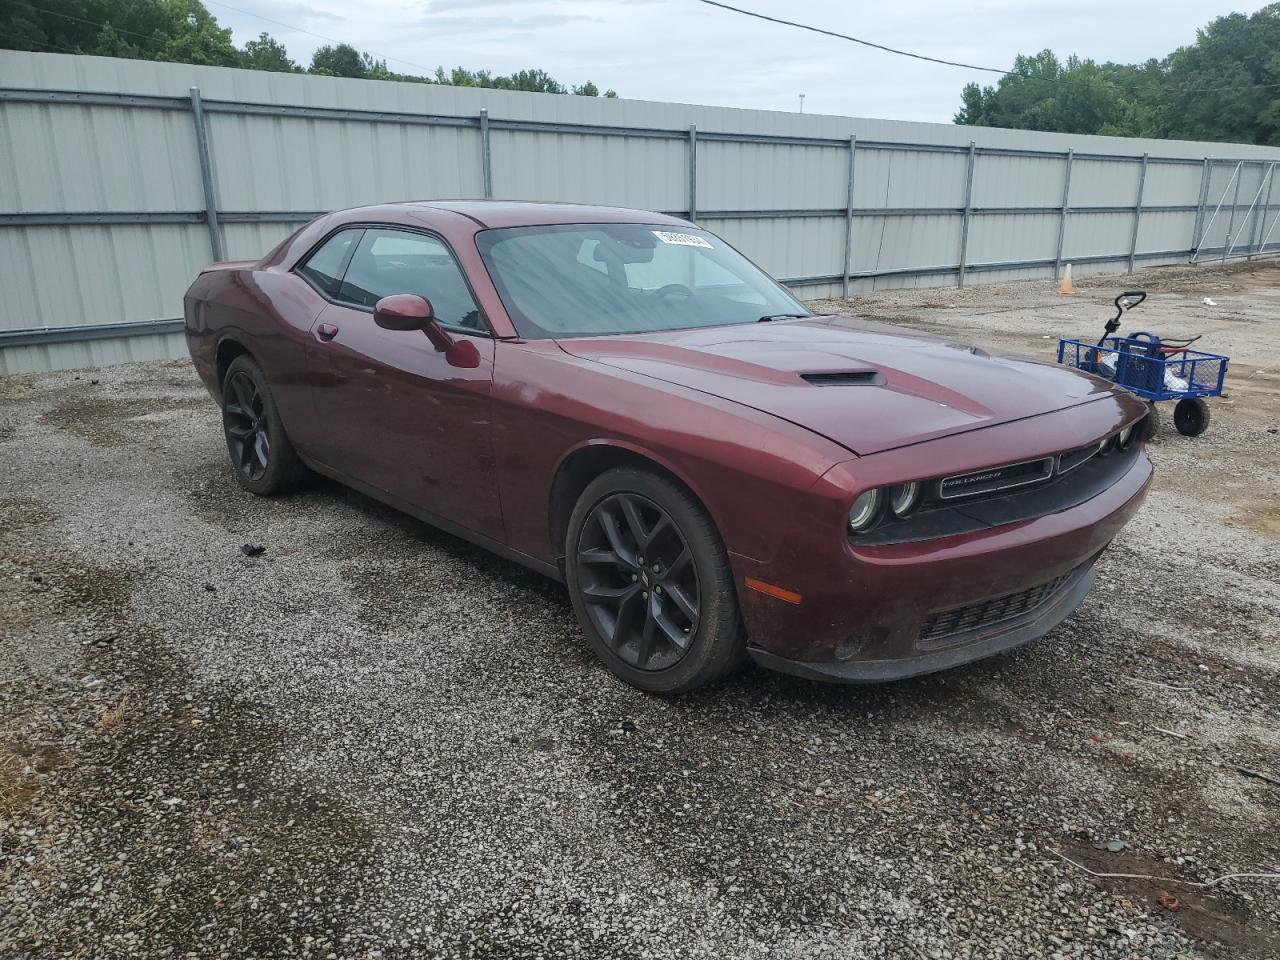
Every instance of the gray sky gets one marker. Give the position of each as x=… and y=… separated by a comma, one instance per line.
x=682, y=50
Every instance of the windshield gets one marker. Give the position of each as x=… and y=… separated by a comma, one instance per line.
x=593, y=279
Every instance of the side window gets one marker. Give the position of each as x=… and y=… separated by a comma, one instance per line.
x=324, y=267
x=392, y=261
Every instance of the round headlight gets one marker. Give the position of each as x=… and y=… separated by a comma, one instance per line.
x=1126, y=436
x=863, y=512
x=903, y=498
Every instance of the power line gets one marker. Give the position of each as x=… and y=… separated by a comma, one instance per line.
x=845, y=36
x=953, y=63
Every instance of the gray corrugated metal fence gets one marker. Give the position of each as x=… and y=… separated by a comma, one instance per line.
x=128, y=176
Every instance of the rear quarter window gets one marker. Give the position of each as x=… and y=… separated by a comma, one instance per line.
x=324, y=267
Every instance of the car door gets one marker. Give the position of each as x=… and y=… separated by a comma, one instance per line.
x=393, y=413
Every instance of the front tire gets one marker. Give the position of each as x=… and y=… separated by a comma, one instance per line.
x=262, y=457
x=651, y=584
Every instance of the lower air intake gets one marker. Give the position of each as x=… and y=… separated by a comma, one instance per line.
x=991, y=612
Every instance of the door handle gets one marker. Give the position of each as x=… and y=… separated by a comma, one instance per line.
x=326, y=331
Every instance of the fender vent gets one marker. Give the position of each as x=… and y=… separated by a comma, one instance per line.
x=843, y=378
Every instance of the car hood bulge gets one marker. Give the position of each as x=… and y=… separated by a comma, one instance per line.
x=897, y=388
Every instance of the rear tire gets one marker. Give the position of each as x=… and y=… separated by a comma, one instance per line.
x=1191, y=416
x=262, y=457
x=666, y=622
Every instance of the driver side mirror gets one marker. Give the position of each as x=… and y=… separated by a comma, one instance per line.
x=403, y=311
x=408, y=311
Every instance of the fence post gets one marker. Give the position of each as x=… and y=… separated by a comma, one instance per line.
x=848, y=217
x=968, y=211
x=1137, y=212
x=1235, y=202
x=486, y=163
x=1062, y=216
x=1266, y=206
x=693, y=172
x=1205, y=167
x=206, y=175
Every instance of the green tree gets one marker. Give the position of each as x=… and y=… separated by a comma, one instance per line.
x=342, y=60
x=1225, y=86
x=184, y=31
x=266, y=53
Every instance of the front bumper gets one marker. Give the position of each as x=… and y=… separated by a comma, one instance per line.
x=961, y=648
x=898, y=610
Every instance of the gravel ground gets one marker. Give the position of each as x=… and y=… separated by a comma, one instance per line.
x=373, y=740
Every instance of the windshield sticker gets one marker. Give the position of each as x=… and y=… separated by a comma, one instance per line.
x=683, y=239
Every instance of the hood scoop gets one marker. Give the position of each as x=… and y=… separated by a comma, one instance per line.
x=844, y=378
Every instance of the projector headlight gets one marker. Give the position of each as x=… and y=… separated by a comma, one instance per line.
x=1125, y=438
x=903, y=498
x=864, y=510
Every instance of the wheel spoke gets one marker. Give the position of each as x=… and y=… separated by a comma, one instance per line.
x=244, y=392
x=686, y=605
x=260, y=447
x=613, y=596
x=601, y=557
x=609, y=524
x=635, y=523
x=677, y=566
x=240, y=432
x=679, y=639
x=644, y=645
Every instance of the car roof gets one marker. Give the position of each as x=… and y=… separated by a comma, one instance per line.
x=517, y=213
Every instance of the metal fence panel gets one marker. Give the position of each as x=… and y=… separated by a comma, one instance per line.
x=124, y=177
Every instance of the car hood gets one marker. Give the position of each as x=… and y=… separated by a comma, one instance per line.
x=867, y=386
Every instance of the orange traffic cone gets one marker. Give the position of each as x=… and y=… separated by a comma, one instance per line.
x=1065, y=286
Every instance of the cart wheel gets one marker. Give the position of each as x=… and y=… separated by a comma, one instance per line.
x=1191, y=416
x=1153, y=423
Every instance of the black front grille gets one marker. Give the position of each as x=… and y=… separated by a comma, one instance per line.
x=990, y=612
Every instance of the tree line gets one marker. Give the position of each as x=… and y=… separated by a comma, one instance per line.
x=1225, y=86
x=184, y=31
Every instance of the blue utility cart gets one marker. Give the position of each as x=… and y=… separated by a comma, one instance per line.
x=1152, y=368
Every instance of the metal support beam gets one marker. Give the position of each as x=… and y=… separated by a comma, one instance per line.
x=848, y=218
x=1267, y=236
x=1205, y=167
x=968, y=212
x=1062, y=217
x=693, y=172
x=1197, y=245
x=1262, y=215
x=1249, y=213
x=1137, y=212
x=1235, y=202
x=89, y=331
x=486, y=164
x=206, y=175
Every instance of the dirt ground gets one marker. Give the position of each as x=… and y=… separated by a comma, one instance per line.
x=373, y=740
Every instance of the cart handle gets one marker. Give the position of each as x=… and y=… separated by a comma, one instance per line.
x=1126, y=301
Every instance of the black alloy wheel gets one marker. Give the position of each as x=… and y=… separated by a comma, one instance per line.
x=638, y=581
x=261, y=454
x=245, y=422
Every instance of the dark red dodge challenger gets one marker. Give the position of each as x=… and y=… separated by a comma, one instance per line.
x=623, y=401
